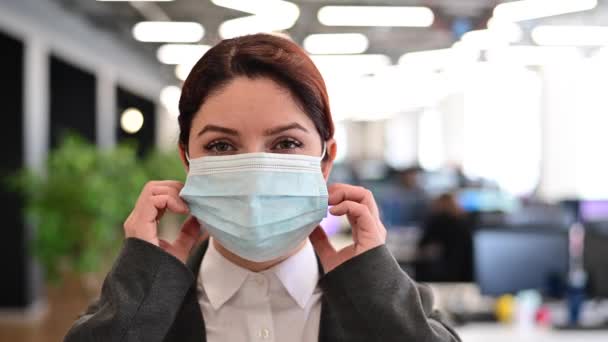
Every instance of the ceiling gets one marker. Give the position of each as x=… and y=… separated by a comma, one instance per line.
x=118, y=18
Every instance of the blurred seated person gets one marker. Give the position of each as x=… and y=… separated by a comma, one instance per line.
x=461, y=178
x=404, y=202
x=445, y=250
x=412, y=202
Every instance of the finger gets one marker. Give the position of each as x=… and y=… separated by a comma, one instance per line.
x=173, y=203
x=171, y=183
x=204, y=236
x=164, y=190
x=322, y=246
x=358, y=215
x=152, y=208
x=188, y=235
x=343, y=192
x=168, y=183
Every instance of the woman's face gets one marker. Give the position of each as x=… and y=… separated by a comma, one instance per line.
x=254, y=115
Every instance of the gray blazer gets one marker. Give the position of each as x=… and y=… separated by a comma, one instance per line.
x=151, y=296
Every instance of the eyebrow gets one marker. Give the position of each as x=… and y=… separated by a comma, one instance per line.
x=220, y=129
x=280, y=129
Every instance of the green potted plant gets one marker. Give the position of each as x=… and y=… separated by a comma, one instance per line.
x=78, y=205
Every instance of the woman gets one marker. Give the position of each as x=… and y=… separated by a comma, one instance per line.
x=446, y=246
x=256, y=138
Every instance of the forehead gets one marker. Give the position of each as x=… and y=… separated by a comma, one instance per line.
x=246, y=103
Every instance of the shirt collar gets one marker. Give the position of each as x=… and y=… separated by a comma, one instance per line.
x=227, y=277
x=299, y=275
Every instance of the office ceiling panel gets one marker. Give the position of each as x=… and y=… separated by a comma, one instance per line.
x=119, y=17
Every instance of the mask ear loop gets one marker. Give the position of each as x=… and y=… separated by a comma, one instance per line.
x=324, y=150
x=187, y=155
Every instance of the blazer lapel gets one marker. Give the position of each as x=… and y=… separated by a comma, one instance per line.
x=330, y=329
x=189, y=325
x=196, y=256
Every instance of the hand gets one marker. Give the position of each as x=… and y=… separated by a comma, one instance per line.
x=359, y=206
x=155, y=198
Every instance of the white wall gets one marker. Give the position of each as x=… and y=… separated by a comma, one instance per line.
x=559, y=171
x=401, y=140
x=365, y=140
x=520, y=125
x=452, y=110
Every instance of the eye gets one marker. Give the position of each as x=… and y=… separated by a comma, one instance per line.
x=220, y=147
x=287, y=144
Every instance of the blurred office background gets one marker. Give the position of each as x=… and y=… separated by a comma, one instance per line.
x=479, y=125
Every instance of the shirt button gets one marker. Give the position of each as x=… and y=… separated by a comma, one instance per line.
x=260, y=280
x=264, y=333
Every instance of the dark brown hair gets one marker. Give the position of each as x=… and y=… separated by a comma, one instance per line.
x=253, y=56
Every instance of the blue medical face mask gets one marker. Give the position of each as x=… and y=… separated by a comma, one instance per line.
x=259, y=206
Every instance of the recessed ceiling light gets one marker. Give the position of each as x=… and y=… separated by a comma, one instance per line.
x=131, y=120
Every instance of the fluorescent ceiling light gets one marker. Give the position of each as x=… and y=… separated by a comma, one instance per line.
x=263, y=23
x=268, y=16
x=571, y=35
x=169, y=98
x=336, y=43
x=442, y=58
x=527, y=55
x=535, y=9
x=602, y=53
x=505, y=30
x=381, y=96
x=258, y=7
x=354, y=65
x=183, y=70
x=483, y=39
x=180, y=53
x=376, y=16
x=426, y=57
x=600, y=59
x=135, y=0
x=168, y=31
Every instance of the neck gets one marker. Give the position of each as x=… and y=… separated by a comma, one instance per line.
x=253, y=266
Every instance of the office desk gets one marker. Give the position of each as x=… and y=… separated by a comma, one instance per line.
x=484, y=332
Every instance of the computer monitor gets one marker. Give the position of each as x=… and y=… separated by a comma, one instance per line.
x=510, y=260
x=485, y=200
x=596, y=259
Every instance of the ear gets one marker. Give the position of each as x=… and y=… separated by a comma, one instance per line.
x=182, y=156
x=328, y=161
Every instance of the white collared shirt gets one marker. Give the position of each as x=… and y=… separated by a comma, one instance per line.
x=282, y=303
